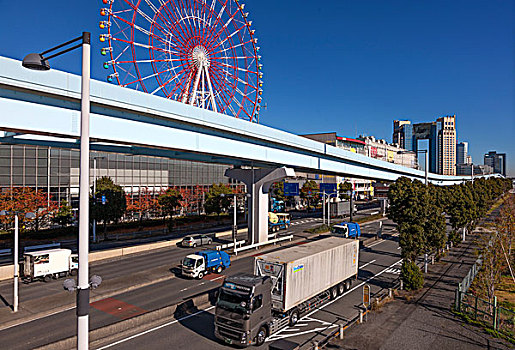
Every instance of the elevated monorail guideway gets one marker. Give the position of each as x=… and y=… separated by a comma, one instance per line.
x=47, y=104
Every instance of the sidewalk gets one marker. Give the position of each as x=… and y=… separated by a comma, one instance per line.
x=426, y=320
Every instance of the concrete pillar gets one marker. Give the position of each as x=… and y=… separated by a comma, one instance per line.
x=258, y=183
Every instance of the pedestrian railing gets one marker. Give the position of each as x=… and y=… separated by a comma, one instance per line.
x=257, y=245
x=497, y=317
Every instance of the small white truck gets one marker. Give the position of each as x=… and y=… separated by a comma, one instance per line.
x=48, y=264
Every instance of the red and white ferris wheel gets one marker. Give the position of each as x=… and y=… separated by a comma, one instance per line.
x=200, y=52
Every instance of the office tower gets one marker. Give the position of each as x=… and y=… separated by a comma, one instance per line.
x=497, y=161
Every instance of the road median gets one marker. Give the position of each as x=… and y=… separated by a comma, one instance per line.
x=125, y=328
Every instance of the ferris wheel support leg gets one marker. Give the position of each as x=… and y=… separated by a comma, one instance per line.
x=211, y=94
x=195, y=86
x=187, y=90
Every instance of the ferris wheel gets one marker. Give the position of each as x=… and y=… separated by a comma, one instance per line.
x=200, y=52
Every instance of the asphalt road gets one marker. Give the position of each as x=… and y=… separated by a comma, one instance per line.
x=124, y=305
x=379, y=267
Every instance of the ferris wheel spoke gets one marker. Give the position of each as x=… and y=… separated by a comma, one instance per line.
x=238, y=68
x=230, y=36
x=232, y=47
x=163, y=85
x=148, y=76
x=220, y=82
x=217, y=34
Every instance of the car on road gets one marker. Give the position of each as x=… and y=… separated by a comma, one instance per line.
x=196, y=240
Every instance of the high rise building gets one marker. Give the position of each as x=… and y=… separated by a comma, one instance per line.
x=462, y=153
x=497, y=161
x=447, y=145
x=398, y=132
x=441, y=135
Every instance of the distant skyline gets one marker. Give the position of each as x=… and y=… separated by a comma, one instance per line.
x=345, y=66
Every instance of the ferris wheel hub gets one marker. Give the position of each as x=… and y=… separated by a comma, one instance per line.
x=200, y=56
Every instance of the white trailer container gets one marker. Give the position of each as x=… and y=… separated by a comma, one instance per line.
x=302, y=272
x=51, y=263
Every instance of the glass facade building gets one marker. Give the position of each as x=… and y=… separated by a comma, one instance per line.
x=56, y=171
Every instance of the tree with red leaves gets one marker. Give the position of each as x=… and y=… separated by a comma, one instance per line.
x=141, y=204
x=26, y=200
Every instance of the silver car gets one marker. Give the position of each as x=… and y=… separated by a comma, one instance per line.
x=197, y=240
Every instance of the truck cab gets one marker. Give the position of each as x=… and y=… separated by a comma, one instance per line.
x=243, y=310
x=347, y=230
x=201, y=263
x=278, y=221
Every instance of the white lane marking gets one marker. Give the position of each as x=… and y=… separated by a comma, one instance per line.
x=182, y=290
x=214, y=279
x=154, y=329
x=374, y=244
x=276, y=335
x=273, y=337
x=368, y=263
x=398, y=247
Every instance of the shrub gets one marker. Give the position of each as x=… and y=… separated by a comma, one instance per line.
x=411, y=276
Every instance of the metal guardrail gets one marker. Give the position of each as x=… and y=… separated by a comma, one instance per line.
x=229, y=245
x=41, y=246
x=5, y=252
x=257, y=245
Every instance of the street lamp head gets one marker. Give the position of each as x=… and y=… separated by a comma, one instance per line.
x=35, y=61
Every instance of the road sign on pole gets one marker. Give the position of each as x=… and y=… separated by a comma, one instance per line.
x=366, y=295
x=328, y=188
x=104, y=200
x=291, y=189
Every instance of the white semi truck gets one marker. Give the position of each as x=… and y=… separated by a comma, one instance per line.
x=48, y=264
x=286, y=284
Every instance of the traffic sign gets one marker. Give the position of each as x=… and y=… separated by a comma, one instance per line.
x=104, y=199
x=328, y=188
x=291, y=189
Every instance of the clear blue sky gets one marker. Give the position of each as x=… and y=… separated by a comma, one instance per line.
x=345, y=66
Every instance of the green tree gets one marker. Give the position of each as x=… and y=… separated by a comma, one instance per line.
x=64, y=215
x=115, y=203
x=310, y=192
x=343, y=189
x=215, y=203
x=411, y=276
x=461, y=208
x=419, y=220
x=277, y=190
x=169, y=201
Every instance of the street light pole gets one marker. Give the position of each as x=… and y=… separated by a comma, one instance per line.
x=16, y=272
x=235, y=224
x=323, y=207
x=37, y=61
x=94, y=197
x=95, y=194
x=83, y=283
x=16, y=248
x=427, y=161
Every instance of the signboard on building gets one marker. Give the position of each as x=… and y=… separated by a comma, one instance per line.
x=373, y=152
x=291, y=189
